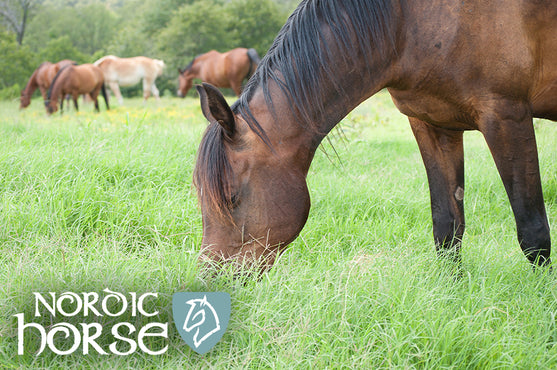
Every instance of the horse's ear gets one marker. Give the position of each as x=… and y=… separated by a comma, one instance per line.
x=215, y=108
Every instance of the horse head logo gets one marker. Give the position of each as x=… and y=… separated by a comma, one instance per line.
x=201, y=318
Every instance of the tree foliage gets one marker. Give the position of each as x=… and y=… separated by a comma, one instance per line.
x=15, y=63
x=172, y=30
x=15, y=14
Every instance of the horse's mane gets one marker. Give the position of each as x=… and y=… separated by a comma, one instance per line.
x=55, y=79
x=356, y=27
x=299, y=62
x=190, y=64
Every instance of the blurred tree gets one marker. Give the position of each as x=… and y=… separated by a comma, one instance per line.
x=89, y=27
x=287, y=5
x=254, y=23
x=195, y=29
x=173, y=30
x=17, y=64
x=62, y=48
x=159, y=14
x=16, y=13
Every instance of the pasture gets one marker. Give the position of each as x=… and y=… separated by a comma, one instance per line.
x=104, y=200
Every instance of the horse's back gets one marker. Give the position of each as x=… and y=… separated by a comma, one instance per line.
x=220, y=68
x=238, y=63
x=107, y=59
x=129, y=71
x=151, y=67
x=539, y=20
x=458, y=58
x=43, y=75
x=83, y=78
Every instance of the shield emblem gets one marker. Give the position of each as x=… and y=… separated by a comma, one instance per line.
x=201, y=318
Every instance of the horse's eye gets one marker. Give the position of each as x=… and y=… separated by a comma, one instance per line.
x=234, y=201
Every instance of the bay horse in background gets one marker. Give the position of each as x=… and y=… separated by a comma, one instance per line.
x=75, y=80
x=129, y=71
x=41, y=79
x=450, y=66
x=226, y=70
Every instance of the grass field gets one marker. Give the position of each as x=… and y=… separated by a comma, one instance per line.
x=91, y=201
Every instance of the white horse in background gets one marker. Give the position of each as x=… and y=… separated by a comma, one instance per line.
x=129, y=71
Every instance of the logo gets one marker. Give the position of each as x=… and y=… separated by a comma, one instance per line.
x=90, y=309
x=201, y=318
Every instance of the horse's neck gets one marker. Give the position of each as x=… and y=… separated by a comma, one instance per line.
x=32, y=85
x=335, y=101
x=195, y=70
x=283, y=126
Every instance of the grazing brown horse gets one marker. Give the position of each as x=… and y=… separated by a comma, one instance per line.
x=76, y=80
x=449, y=65
x=41, y=79
x=226, y=70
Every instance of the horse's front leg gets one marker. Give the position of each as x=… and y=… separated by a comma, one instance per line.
x=509, y=132
x=443, y=156
x=146, y=89
x=44, y=92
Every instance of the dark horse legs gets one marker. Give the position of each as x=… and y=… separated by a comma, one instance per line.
x=443, y=156
x=509, y=133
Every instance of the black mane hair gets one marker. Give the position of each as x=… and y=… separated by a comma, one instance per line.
x=299, y=62
x=190, y=64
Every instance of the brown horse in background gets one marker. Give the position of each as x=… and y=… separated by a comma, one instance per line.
x=226, y=70
x=41, y=79
x=450, y=66
x=75, y=80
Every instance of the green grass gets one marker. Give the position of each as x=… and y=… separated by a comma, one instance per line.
x=91, y=201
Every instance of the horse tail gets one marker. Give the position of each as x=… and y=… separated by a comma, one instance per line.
x=105, y=95
x=253, y=62
x=54, y=81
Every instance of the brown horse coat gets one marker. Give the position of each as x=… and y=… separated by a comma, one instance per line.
x=41, y=78
x=226, y=70
x=450, y=66
x=76, y=80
